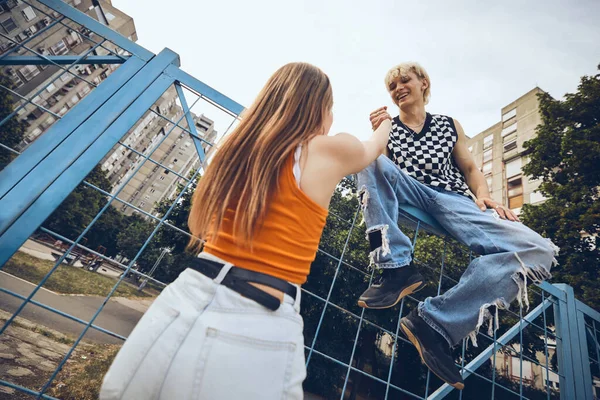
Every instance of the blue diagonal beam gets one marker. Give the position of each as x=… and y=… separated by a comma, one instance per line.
x=190, y=121
x=587, y=310
x=210, y=94
x=490, y=350
x=62, y=60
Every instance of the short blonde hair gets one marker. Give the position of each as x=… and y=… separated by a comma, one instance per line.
x=403, y=69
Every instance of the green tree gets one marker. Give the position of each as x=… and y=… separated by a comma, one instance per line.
x=80, y=207
x=130, y=240
x=565, y=154
x=178, y=216
x=12, y=131
x=106, y=230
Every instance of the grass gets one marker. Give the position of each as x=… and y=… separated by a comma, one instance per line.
x=66, y=279
x=45, y=332
x=81, y=377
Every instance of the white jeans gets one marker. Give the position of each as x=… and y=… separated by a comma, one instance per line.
x=202, y=340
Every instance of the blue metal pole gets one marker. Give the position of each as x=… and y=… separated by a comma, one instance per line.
x=57, y=134
x=61, y=60
x=23, y=200
x=485, y=355
x=190, y=121
x=563, y=349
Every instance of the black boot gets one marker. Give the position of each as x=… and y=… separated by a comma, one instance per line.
x=391, y=287
x=433, y=349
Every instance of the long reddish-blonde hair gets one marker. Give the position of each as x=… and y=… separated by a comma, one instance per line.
x=244, y=171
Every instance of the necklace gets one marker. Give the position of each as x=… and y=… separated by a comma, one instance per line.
x=416, y=126
x=413, y=128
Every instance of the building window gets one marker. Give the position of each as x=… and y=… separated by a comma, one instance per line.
x=20, y=37
x=28, y=13
x=511, y=145
x=470, y=149
x=29, y=72
x=516, y=368
x=488, y=141
x=487, y=155
x=9, y=25
x=514, y=187
x=74, y=100
x=489, y=182
x=162, y=177
x=487, y=168
x=152, y=190
x=509, y=130
x=16, y=79
x=510, y=114
x=513, y=168
x=166, y=172
x=536, y=197
x=142, y=204
x=59, y=48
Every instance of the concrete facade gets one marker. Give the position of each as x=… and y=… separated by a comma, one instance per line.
x=499, y=152
x=61, y=90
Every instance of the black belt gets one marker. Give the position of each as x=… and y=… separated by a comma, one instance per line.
x=238, y=279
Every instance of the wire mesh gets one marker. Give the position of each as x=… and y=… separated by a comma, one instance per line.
x=140, y=187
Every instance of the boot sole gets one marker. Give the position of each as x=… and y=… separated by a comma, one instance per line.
x=413, y=339
x=415, y=287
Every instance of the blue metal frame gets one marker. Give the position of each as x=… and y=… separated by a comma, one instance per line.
x=61, y=60
x=46, y=172
x=31, y=201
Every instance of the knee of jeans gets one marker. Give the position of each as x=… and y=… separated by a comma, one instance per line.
x=542, y=249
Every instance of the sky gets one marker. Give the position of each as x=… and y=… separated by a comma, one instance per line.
x=480, y=55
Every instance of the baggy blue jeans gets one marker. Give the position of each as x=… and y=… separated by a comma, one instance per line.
x=511, y=253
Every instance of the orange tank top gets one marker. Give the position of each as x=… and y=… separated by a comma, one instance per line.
x=287, y=243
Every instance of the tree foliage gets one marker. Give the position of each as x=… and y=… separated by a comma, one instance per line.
x=81, y=206
x=12, y=131
x=565, y=154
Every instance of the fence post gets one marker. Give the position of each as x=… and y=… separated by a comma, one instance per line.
x=571, y=348
x=586, y=378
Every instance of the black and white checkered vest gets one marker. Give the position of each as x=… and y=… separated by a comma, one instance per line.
x=427, y=155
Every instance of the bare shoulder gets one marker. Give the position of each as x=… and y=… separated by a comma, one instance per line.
x=338, y=147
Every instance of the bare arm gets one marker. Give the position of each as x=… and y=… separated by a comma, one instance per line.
x=475, y=178
x=353, y=155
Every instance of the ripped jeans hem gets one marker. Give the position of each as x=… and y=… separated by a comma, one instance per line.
x=399, y=264
x=433, y=324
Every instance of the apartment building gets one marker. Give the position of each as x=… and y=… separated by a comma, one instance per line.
x=177, y=152
x=499, y=152
x=48, y=86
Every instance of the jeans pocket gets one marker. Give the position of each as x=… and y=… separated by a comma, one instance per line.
x=137, y=347
x=239, y=367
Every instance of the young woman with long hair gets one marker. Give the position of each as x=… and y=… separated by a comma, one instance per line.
x=229, y=327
